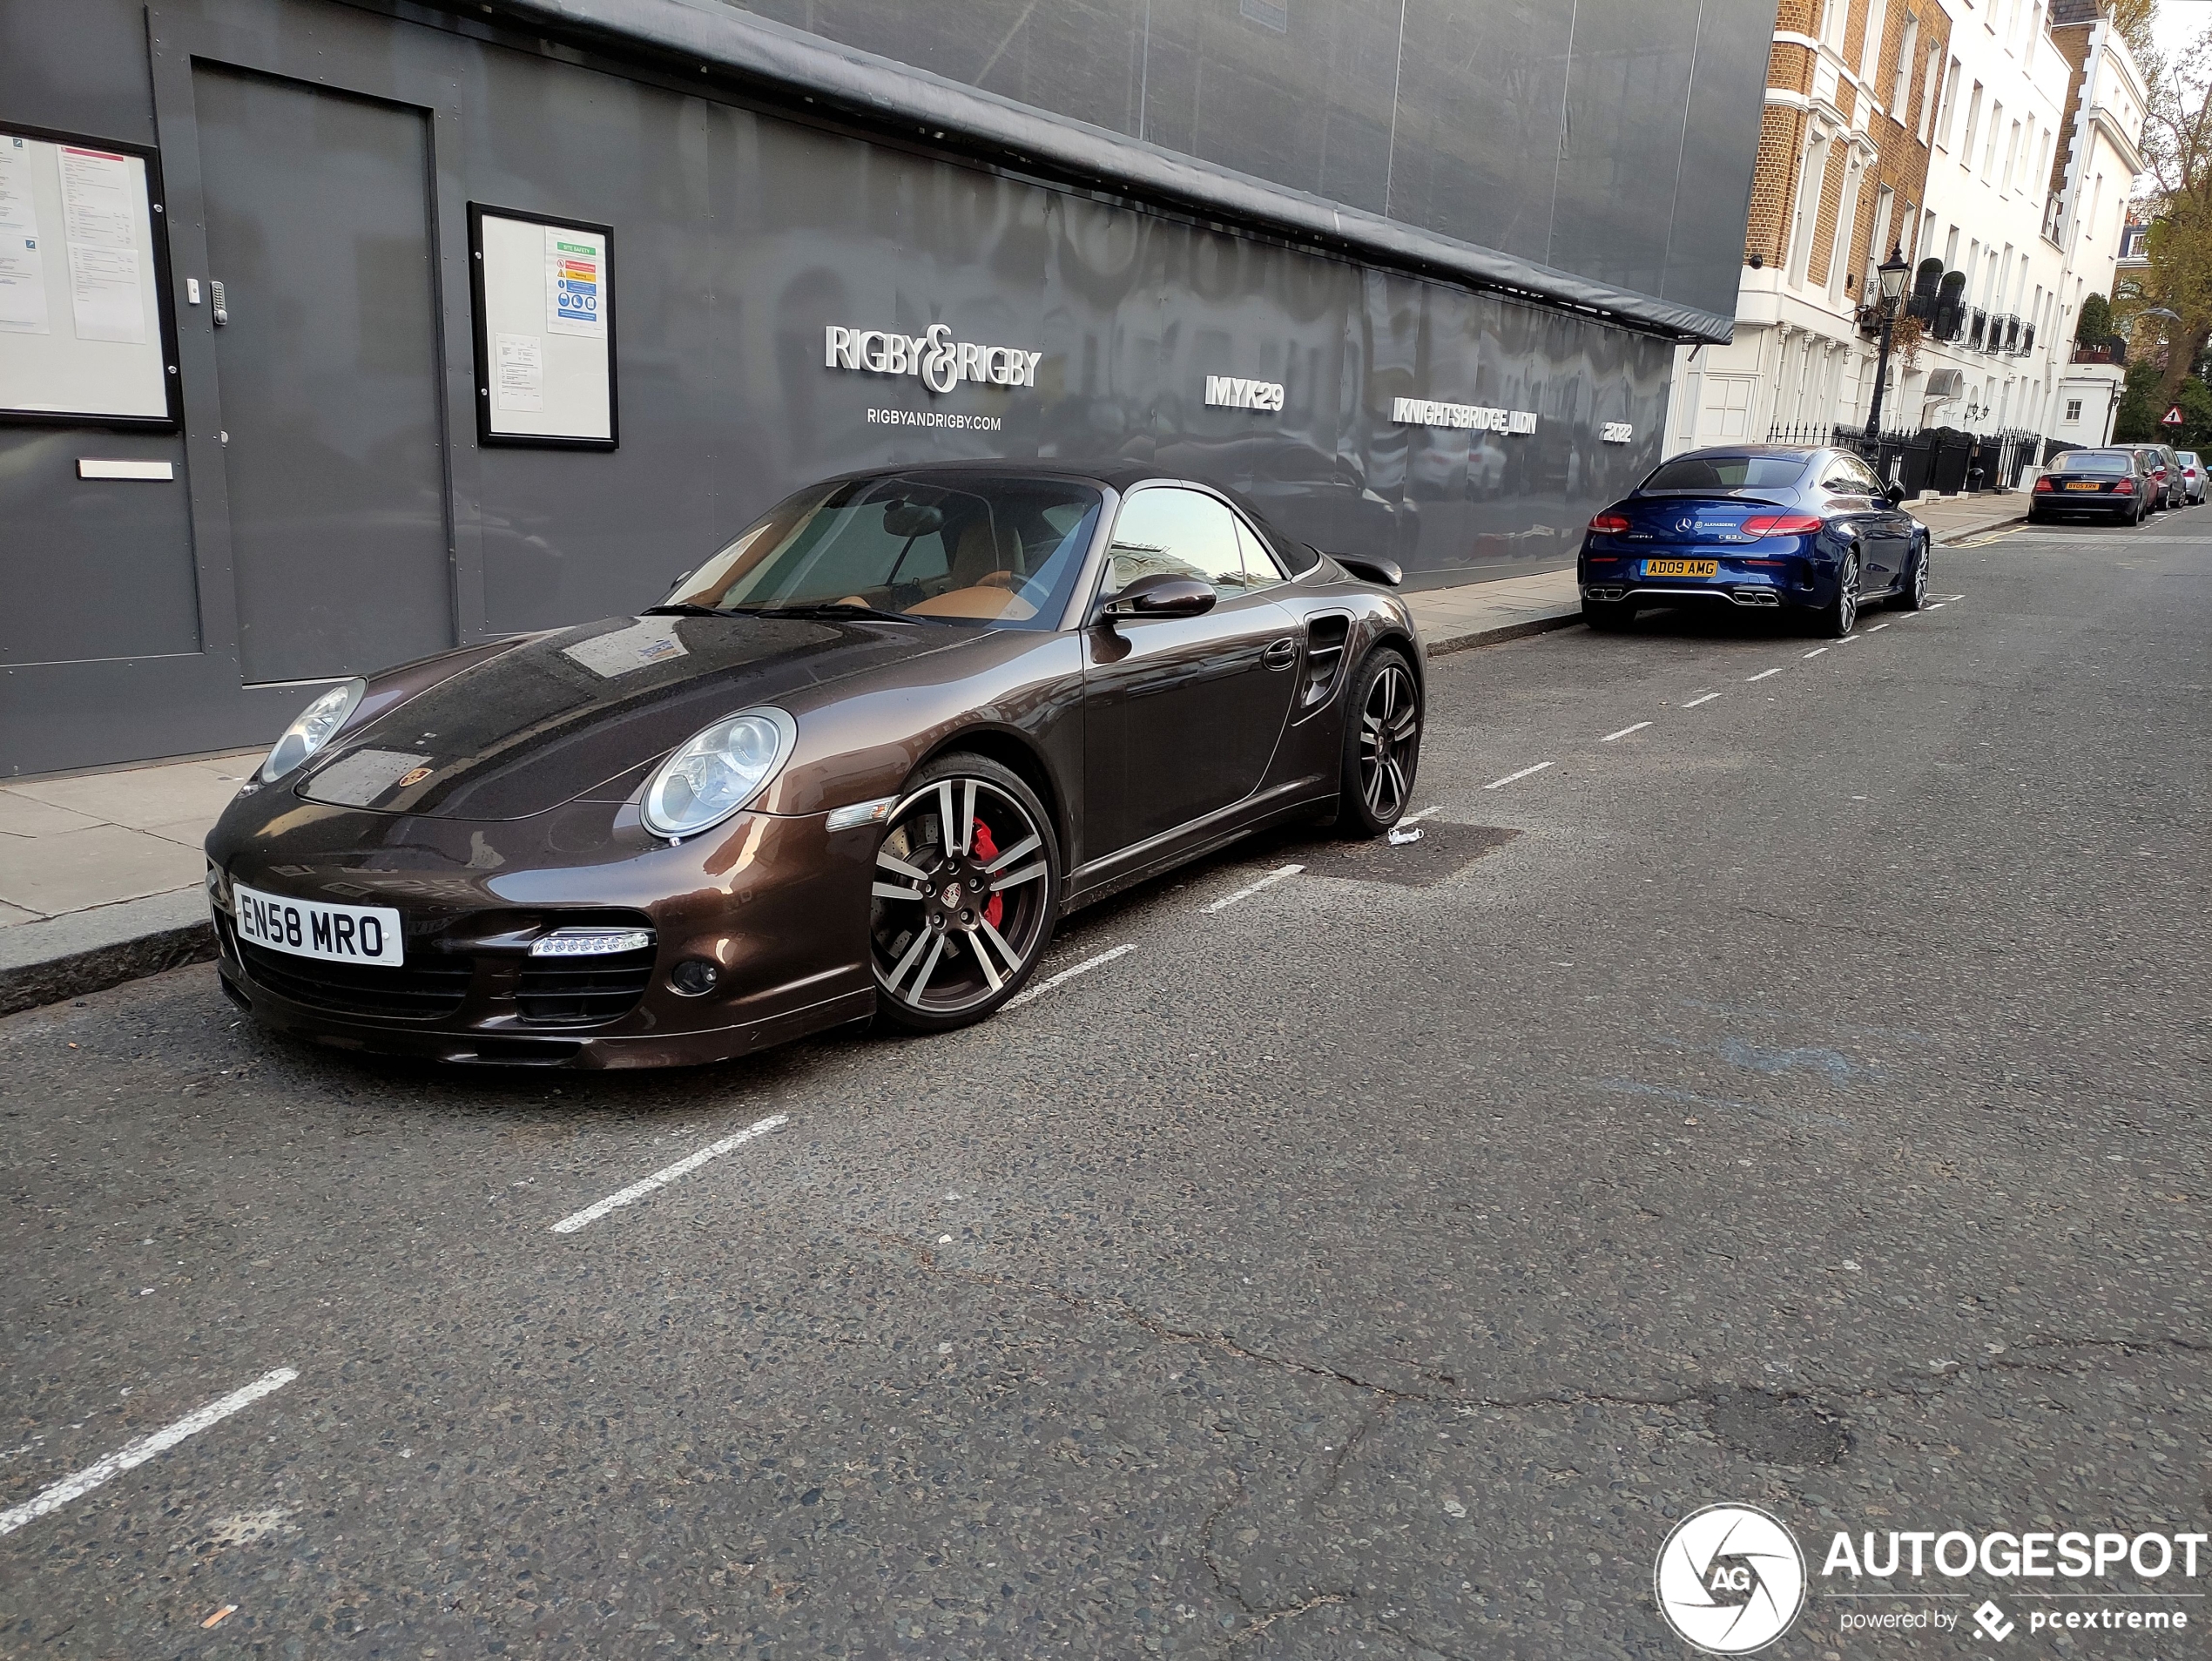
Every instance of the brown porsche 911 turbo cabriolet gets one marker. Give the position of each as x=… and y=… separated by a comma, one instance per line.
x=861, y=761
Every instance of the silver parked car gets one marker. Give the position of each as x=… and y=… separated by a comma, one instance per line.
x=2192, y=477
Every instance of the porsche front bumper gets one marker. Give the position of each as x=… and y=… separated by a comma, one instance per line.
x=777, y=905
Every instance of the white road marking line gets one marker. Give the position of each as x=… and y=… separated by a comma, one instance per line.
x=1877, y=628
x=1496, y=784
x=1938, y=605
x=1707, y=698
x=1847, y=640
x=661, y=1179
x=1274, y=876
x=1761, y=675
x=1816, y=652
x=1426, y=812
x=138, y=1453
x=1065, y=974
x=1624, y=731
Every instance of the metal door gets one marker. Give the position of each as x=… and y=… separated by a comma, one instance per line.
x=327, y=360
x=1181, y=715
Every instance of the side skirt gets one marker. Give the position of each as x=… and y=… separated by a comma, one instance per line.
x=1128, y=866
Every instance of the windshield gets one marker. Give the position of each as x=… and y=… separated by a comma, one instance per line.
x=1728, y=473
x=2095, y=460
x=1001, y=551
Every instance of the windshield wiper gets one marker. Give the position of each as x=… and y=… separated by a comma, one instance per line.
x=821, y=609
x=684, y=609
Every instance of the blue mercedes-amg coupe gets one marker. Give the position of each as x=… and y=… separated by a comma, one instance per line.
x=1757, y=527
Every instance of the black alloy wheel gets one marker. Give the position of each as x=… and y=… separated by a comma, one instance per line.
x=967, y=885
x=1382, y=744
x=1837, y=617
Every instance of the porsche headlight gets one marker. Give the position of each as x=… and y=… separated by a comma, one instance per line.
x=312, y=730
x=718, y=771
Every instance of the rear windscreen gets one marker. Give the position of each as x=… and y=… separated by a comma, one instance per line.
x=1728, y=473
x=2093, y=461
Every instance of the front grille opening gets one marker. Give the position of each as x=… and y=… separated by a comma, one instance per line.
x=523, y=1052
x=425, y=988
x=1325, y=641
x=582, y=991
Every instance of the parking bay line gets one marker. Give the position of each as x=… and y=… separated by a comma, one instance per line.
x=69, y=1488
x=1274, y=876
x=1763, y=674
x=1877, y=628
x=667, y=1174
x=1066, y=975
x=1706, y=699
x=1500, y=784
x=1816, y=652
x=1624, y=731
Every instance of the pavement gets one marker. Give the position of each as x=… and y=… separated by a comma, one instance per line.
x=1775, y=1076
x=100, y=872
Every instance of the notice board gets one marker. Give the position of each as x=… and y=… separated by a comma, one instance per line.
x=84, y=319
x=545, y=329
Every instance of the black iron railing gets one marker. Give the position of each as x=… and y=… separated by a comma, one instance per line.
x=1944, y=459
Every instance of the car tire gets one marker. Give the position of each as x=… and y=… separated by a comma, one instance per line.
x=1912, y=593
x=1607, y=615
x=1382, y=744
x=1840, y=616
x=941, y=960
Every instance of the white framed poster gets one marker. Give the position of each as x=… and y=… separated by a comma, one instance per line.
x=85, y=330
x=545, y=329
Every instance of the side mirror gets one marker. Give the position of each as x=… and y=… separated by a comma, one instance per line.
x=1894, y=495
x=1160, y=594
x=1372, y=568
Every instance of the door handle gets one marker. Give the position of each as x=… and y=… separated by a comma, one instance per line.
x=1280, y=654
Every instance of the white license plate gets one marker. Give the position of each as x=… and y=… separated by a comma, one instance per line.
x=308, y=928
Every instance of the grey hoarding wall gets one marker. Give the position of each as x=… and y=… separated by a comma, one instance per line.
x=770, y=233
x=1613, y=140
x=1505, y=199
x=739, y=238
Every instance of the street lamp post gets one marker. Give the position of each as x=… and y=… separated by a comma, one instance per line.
x=1892, y=272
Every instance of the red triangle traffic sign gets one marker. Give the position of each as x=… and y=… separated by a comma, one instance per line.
x=2172, y=418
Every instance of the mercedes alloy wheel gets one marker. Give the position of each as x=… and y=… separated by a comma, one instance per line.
x=1837, y=617
x=1915, y=596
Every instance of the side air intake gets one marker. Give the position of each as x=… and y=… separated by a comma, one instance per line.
x=1324, y=642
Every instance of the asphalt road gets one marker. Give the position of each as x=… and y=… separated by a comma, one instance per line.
x=1796, y=1100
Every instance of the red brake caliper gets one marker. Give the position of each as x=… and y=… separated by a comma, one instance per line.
x=980, y=842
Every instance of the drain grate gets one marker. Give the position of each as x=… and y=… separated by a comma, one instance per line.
x=1443, y=852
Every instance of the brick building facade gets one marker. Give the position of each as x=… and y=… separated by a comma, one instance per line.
x=1991, y=144
x=1841, y=178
